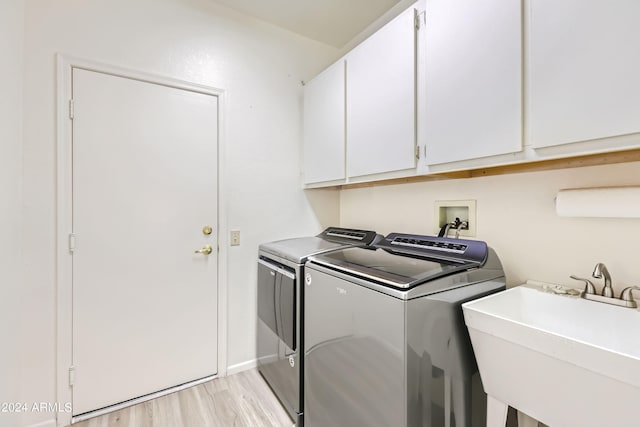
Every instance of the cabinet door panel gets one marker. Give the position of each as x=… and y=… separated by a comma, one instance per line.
x=381, y=100
x=583, y=68
x=473, y=79
x=324, y=99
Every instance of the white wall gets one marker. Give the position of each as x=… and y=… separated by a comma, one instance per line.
x=516, y=216
x=260, y=68
x=11, y=34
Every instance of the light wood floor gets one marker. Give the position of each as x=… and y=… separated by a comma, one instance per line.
x=242, y=399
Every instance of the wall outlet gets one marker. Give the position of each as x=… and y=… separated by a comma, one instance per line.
x=448, y=210
x=234, y=238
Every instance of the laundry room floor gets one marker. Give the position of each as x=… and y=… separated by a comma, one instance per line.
x=242, y=400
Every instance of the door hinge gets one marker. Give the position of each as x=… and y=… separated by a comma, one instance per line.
x=417, y=152
x=71, y=104
x=72, y=376
x=420, y=19
x=72, y=242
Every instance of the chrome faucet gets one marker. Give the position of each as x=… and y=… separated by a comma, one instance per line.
x=599, y=272
x=626, y=297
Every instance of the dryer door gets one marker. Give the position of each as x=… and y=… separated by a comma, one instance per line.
x=286, y=308
x=267, y=295
x=277, y=337
x=277, y=300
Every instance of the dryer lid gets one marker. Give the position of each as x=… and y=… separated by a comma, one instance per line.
x=298, y=249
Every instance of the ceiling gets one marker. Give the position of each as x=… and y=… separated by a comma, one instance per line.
x=333, y=22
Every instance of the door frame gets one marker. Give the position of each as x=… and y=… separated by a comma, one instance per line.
x=64, y=210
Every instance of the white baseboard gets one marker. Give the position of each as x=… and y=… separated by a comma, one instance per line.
x=48, y=423
x=244, y=366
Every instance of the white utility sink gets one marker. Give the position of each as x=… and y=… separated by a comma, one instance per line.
x=563, y=360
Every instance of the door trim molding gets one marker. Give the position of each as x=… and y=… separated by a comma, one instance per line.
x=64, y=262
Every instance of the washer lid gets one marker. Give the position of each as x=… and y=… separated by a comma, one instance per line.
x=390, y=268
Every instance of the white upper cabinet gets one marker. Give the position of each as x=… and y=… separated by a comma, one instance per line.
x=472, y=91
x=324, y=126
x=583, y=75
x=381, y=102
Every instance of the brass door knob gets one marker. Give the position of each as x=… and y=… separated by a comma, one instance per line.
x=206, y=249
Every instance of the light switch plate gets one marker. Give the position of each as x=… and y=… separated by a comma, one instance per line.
x=234, y=238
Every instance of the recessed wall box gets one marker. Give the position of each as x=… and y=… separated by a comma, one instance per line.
x=446, y=211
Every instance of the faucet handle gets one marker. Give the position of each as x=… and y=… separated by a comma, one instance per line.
x=588, y=284
x=627, y=293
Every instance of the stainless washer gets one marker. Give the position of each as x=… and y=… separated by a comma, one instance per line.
x=281, y=312
x=385, y=340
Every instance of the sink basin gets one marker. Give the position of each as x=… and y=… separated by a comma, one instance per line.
x=560, y=359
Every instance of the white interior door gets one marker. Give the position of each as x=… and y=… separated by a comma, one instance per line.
x=144, y=188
